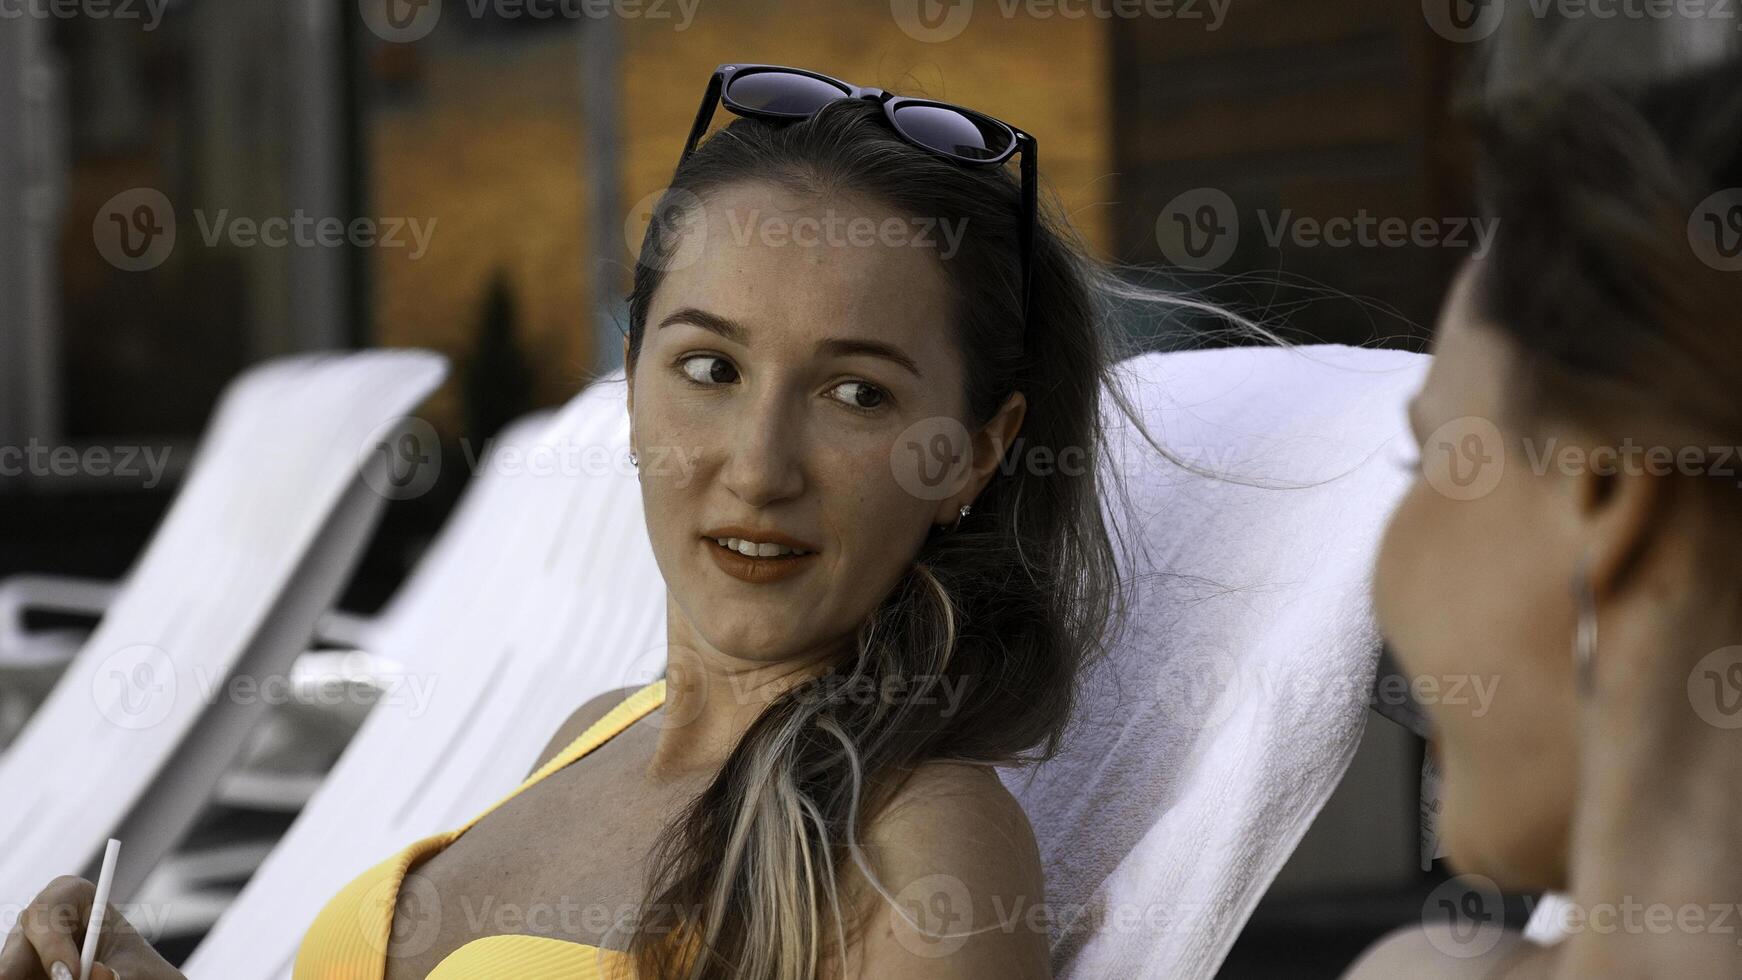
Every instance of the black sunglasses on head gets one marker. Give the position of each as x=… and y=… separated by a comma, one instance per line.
x=776, y=93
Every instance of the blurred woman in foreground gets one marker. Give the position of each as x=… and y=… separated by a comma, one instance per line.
x=1576, y=532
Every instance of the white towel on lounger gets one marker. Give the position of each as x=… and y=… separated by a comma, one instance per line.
x=1204, y=747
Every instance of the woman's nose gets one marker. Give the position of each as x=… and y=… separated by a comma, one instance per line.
x=765, y=447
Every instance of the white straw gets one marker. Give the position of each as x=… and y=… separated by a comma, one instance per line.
x=94, y=928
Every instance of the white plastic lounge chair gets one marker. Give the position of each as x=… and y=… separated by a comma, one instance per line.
x=1273, y=582
x=283, y=491
x=335, y=689
x=289, y=756
x=555, y=601
x=30, y=661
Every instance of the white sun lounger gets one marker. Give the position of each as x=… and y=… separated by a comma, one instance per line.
x=333, y=691
x=500, y=640
x=283, y=491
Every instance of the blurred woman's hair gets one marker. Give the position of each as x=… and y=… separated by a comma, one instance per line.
x=1608, y=268
x=1006, y=610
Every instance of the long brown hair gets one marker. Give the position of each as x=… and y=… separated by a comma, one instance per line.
x=1006, y=609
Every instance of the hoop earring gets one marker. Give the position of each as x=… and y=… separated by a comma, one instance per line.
x=1585, y=635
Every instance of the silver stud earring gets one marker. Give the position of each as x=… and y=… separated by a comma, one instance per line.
x=1585, y=635
x=632, y=460
x=961, y=512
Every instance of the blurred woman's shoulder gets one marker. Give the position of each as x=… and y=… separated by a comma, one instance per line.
x=1419, y=952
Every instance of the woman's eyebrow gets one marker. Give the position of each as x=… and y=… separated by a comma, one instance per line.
x=848, y=346
x=714, y=322
x=837, y=346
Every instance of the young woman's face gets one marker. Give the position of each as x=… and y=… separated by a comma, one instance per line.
x=782, y=373
x=1473, y=594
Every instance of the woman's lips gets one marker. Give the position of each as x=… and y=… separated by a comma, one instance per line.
x=757, y=571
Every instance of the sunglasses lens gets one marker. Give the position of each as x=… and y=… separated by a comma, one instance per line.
x=782, y=93
x=954, y=132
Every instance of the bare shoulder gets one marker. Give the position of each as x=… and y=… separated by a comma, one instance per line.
x=578, y=722
x=955, y=852
x=1436, y=952
x=959, y=804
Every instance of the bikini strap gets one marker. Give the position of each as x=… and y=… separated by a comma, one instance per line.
x=626, y=713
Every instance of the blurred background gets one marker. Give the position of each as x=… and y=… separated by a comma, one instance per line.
x=493, y=164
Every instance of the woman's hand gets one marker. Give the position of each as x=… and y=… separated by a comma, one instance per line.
x=45, y=941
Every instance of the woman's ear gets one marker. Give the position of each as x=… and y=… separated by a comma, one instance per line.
x=988, y=447
x=1621, y=506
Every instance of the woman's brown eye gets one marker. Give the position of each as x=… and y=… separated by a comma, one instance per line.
x=712, y=375
x=867, y=396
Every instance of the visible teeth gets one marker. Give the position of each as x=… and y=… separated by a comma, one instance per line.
x=752, y=549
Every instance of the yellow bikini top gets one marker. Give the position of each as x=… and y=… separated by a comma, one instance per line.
x=349, y=939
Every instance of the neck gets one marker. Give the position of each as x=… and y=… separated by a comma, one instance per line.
x=712, y=699
x=1656, y=864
